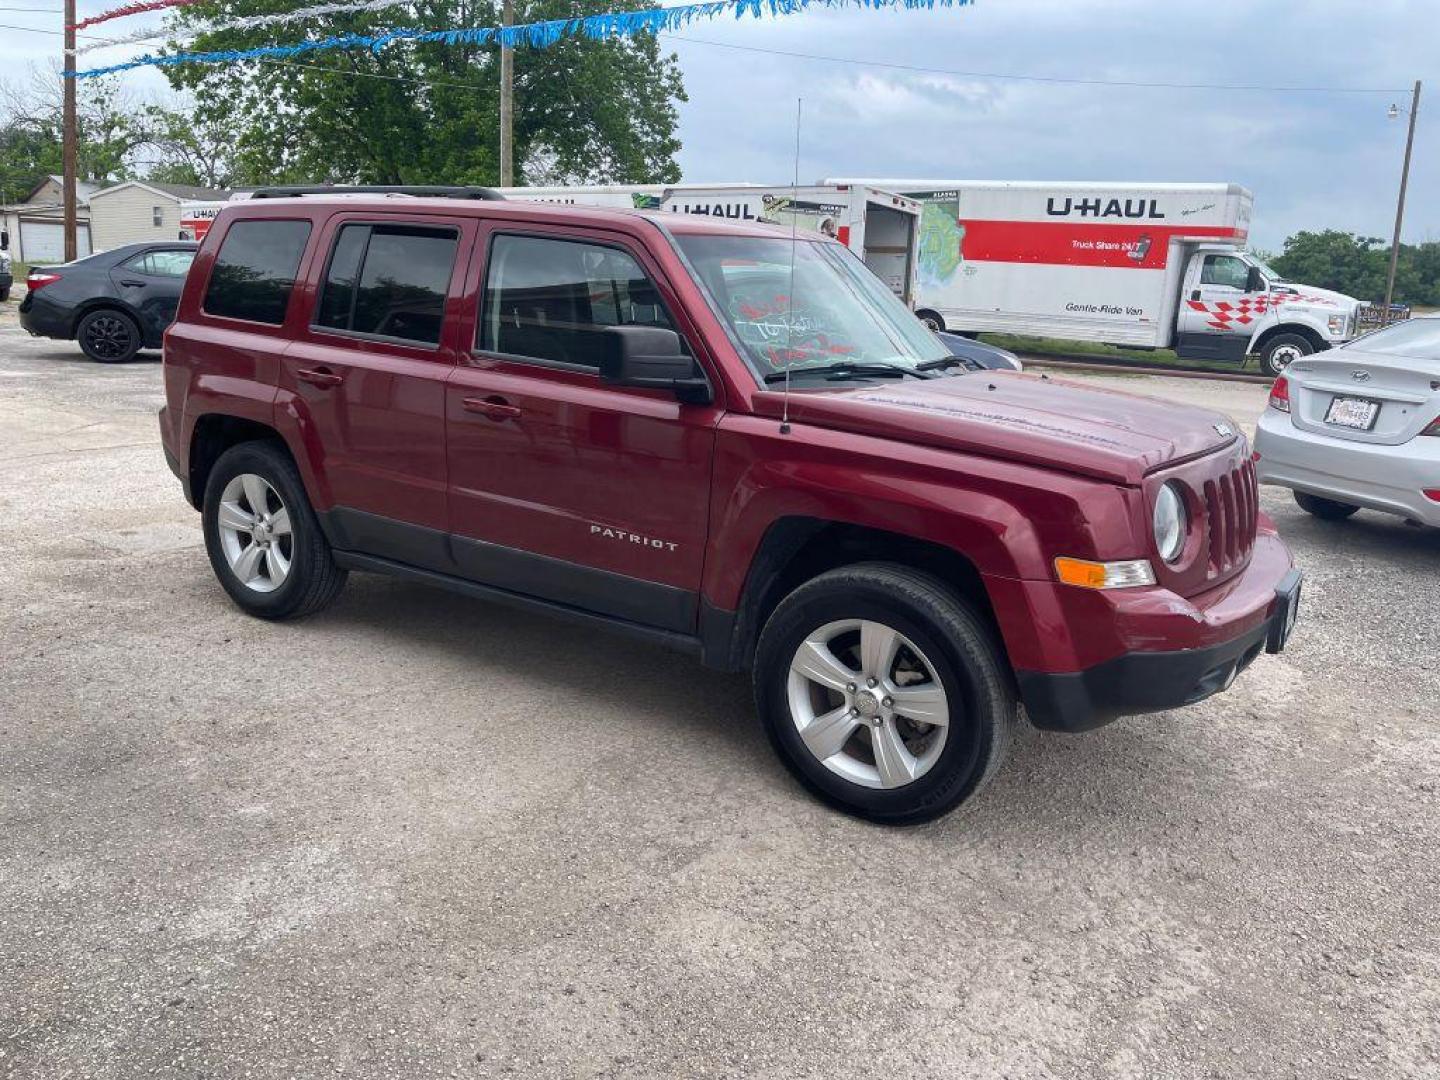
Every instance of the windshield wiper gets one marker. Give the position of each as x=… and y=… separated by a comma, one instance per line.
x=847, y=369
x=947, y=362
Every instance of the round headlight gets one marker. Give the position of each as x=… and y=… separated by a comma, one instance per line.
x=1170, y=523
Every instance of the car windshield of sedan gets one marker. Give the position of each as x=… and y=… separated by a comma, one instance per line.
x=807, y=306
x=1419, y=338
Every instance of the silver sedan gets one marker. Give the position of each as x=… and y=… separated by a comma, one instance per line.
x=1359, y=426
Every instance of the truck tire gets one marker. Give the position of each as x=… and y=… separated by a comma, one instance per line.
x=931, y=319
x=1324, y=509
x=884, y=692
x=265, y=543
x=1282, y=350
x=4, y=294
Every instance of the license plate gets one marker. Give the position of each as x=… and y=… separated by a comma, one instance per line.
x=1283, y=624
x=1353, y=412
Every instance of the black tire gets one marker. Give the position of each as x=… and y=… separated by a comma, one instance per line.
x=958, y=645
x=1282, y=350
x=4, y=295
x=931, y=319
x=108, y=336
x=1325, y=509
x=313, y=580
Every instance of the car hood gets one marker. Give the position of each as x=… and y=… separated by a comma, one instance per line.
x=1308, y=294
x=1029, y=418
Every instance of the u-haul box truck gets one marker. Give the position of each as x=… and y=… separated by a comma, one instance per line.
x=1149, y=265
x=197, y=217
x=879, y=226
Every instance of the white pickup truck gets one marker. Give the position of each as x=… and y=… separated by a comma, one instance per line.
x=1139, y=265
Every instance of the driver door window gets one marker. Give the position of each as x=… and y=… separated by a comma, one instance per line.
x=550, y=300
x=1226, y=271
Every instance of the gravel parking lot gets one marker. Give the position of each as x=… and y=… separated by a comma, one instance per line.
x=421, y=836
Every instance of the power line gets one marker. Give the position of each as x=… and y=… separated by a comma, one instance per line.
x=1133, y=83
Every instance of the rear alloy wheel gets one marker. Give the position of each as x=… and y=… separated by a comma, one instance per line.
x=264, y=541
x=1283, y=350
x=108, y=337
x=1325, y=509
x=884, y=692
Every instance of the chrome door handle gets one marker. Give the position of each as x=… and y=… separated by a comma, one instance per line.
x=319, y=376
x=493, y=408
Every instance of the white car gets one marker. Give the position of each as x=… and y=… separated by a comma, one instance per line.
x=1359, y=426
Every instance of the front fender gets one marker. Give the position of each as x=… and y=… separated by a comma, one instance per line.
x=1009, y=520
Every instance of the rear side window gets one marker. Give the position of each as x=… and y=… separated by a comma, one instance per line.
x=551, y=299
x=254, y=273
x=174, y=264
x=389, y=281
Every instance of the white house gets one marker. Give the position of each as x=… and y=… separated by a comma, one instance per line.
x=140, y=210
x=36, y=224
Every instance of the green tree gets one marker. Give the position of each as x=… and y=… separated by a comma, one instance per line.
x=585, y=111
x=188, y=150
x=1358, y=265
x=109, y=131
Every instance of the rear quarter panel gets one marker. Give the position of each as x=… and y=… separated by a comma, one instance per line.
x=217, y=365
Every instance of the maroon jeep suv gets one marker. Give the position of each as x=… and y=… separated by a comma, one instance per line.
x=722, y=438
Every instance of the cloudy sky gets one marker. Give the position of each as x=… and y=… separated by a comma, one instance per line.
x=1315, y=159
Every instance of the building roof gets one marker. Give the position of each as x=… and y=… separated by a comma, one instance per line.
x=178, y=192
x=83, y=188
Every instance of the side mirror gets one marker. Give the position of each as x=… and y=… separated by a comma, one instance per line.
x=651, y=357
x=1254, y=280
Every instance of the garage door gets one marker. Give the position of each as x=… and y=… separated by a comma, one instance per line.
x=44, y=241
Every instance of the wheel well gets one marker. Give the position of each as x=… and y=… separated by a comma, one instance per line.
x=922, y=312
x=214, y=434
x=795, y=550
x=1299, y=329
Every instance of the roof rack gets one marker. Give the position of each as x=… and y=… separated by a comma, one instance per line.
x=439, y=191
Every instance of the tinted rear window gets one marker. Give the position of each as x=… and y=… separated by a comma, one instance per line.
x=389, y=281
x=254, y=273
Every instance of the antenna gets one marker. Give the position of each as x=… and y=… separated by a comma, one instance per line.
x=790, y=288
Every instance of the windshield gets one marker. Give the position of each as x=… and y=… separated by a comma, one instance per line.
x=829, y=310
x=1419, y=338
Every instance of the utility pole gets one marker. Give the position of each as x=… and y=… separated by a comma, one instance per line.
x=1400, y=203
x=68, y=135
x=507, y=99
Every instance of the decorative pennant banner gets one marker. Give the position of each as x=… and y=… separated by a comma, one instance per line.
x=540, y=35
x=245, y=22
x=133, y=9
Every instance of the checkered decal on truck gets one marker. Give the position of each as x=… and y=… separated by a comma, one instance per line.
x=1226, y=316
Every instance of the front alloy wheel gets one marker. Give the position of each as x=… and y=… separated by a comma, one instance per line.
x=867, y=703
x=884, y=691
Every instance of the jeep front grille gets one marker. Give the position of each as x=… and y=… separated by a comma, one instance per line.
x=1232, y=504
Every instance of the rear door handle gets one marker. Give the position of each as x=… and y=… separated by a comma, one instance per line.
x=494, y=408
x=319, y=376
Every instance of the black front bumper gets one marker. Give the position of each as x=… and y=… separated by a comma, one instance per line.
x=1146, y=682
